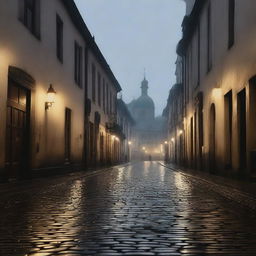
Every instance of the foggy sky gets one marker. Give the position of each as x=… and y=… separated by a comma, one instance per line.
x=137, y=34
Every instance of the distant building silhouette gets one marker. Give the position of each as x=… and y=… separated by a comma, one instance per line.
x=149, y=131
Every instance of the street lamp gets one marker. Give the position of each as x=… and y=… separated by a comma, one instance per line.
x=51, y=93
x=166, y=151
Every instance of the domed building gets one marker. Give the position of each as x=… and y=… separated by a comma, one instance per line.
x=143, y=109
x=149, y=131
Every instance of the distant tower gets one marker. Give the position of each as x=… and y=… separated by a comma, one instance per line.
x=144, y=87
x=143, y=108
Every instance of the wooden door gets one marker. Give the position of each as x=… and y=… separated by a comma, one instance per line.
x=212, y=139
x=17, y=130
x=67, y=135
x=91, y=147
x=242, y=130
x=101, y=149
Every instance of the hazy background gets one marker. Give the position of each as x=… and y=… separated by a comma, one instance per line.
x=137, y=34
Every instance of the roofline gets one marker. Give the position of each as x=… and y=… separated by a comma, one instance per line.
x=79, y=23
x=189, y=25
x=126, y=110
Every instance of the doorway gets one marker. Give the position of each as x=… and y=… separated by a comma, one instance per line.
x=242, y=129
x=17, y=130
x=67, y=135
x=101, y=149
x=228, y=128
x=191, y=142
x=212, y=140
x=91, y=143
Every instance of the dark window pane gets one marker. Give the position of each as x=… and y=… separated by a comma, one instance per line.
x=78, y=64
x=13, y=93
x=59, y=38
x=93, y=83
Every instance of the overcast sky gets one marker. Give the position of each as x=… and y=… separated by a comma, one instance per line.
x=137, y=34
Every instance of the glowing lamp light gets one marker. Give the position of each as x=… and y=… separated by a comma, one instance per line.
x=217, y=93
x=130, y=143
x=180, y=132
x=143, y=148
x=51, y=93
x=173, y=140
x=165, y=142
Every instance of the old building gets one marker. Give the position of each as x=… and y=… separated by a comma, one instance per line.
x=126, y=124
x=150, y=131
x=57, y=91
x=219, y=88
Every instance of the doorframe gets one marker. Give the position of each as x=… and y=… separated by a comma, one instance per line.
x=23, y=79
x=212, y=140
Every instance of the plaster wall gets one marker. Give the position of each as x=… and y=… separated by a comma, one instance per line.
x=231, y=70
x=20, y=48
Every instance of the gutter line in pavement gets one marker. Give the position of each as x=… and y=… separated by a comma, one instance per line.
x=228, y=192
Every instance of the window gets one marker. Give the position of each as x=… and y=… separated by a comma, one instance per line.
x=231, y=23
x=93, y=83
x=209, y=39
x=114, y=103
x=59, y=38
x=78, y=64
x=110, y=102
x=198, y=54
x=104, y=94
x=29, y=15
x=107, y=98
x=99, y=89
x=187, y=76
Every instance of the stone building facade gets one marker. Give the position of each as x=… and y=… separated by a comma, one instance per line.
x=47, y=48
x=219, y=86
x=126, y=124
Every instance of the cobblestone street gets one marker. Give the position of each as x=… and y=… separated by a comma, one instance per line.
x=139, y=209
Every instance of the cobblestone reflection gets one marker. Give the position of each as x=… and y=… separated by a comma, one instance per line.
x=141, y=209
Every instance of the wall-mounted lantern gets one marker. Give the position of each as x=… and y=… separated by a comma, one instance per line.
x=51, y=93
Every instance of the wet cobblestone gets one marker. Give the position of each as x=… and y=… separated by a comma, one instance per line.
x=141, y=209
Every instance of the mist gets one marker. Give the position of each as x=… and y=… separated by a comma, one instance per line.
x=137, y=35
